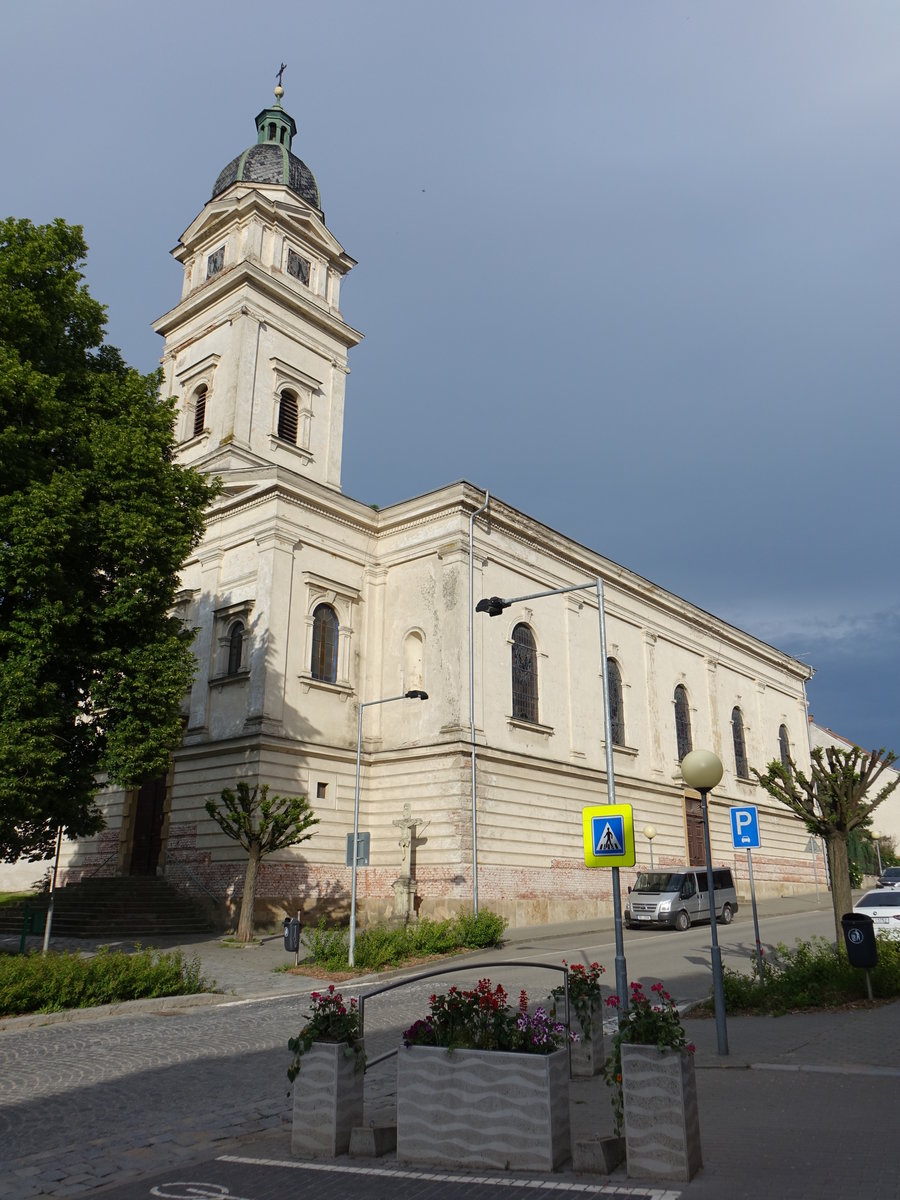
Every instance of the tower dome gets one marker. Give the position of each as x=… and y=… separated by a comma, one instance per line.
x=271, y=160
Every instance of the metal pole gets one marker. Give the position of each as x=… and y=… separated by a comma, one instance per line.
x=621, y=968
x=650, y=840
x=487, y=500
x=352, y=947
x=759, y=957
x=715, y=953
x=411, y=695
x=52, y=892
x=812, y=850
x=878, y=855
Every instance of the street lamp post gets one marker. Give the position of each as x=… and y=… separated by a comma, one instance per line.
x=494, y=606
x=702, y=770
x=414, y=695
x=650, y=834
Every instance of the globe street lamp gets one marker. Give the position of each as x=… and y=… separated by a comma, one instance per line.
x=650, y=833
x=414, y=695
x=494, y=606
x=702, y=770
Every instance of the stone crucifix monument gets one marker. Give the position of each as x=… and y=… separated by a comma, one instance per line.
x=405, y=886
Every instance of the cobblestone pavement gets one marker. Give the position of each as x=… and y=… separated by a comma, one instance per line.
x=804, y=1106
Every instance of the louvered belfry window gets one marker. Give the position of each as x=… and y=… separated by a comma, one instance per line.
x=616, y=702
x=682, y=723
x=199, y=411
x=741, y=768
x=287, y=418
x=524, y=675
x=324, y=644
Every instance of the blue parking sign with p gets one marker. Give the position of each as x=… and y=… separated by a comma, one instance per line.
x=745, y=828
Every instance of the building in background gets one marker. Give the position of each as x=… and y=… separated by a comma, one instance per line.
x=307, y=602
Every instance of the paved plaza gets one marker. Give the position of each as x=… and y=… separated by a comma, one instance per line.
x=191, y=1097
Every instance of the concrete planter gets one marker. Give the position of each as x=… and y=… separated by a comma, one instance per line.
x=328, y=1101
x=483, y=1108
x=662, y=1122
x=588, y=1052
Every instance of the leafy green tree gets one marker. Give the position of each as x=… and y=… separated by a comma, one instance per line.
x=837, y=797
x=95, y=521
x=262, y=825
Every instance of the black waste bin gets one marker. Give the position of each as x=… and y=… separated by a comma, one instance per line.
x=291, y=935
x=859, y=938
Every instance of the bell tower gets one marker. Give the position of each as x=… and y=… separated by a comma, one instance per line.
x=256, y=349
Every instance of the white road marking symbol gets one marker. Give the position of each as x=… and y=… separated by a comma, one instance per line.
x=193, y=1191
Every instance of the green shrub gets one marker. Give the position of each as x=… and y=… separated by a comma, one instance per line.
x=815, y=974
x=51, y=983
x=389, y=945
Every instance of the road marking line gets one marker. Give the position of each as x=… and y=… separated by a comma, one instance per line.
x=500, y=1181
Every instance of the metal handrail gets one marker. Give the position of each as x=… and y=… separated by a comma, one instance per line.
x=456, y=970
x=199, y=882
x=100, y=866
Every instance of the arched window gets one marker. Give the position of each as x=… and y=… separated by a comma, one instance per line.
x=324, y=643
x=740, y=750
x=616, y=702
x=784, y=746
x=682, y=723
x=199, y=410
x=524, y=675
x=287, y=417
x=235, y=647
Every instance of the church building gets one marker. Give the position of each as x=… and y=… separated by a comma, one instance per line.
x=308, y=604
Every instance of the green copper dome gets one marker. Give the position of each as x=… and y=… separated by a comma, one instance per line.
x=271, y=160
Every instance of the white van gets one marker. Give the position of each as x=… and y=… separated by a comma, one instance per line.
x=679, y=898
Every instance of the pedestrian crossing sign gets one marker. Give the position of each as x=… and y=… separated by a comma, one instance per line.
x=608, y=835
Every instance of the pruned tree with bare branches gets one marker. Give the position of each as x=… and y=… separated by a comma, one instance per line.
x=262, y=824
x=836, y=797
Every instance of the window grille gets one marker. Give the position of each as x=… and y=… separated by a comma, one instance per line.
x=682, y=723
x=616, y=702
x=324, y=644
x=287, y=418
x=740, y=750
x=524, y=675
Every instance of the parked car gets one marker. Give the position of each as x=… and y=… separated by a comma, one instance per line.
x=884, y=909
x=680, y=898
x=890, y=878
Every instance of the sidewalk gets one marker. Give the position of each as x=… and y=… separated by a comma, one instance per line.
x=804, y=1106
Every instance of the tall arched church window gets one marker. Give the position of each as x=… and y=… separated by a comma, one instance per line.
x=784, y=746
x=287, y=417
x=235, y=647
x=324, y=643
x=740, y=749
x=199, y=410
x=616, y=702
x=524, y=675
x=682, y=723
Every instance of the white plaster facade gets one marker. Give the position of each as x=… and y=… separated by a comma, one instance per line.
x=282, y=539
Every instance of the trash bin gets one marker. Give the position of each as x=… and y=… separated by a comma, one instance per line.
x=291, y=935
x=859, y=938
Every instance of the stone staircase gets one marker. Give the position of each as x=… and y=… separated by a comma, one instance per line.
x=127, y=906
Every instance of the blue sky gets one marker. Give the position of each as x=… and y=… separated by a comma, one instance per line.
x=632, y=266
